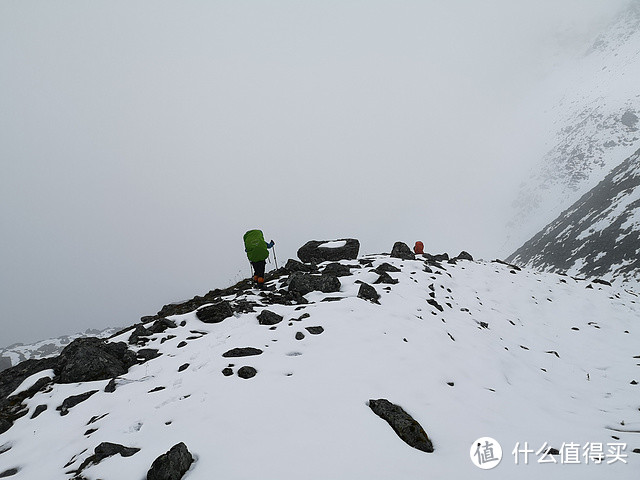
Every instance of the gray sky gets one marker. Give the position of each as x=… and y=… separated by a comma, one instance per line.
x=140, y=140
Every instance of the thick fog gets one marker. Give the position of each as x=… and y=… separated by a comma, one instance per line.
x=140, y=140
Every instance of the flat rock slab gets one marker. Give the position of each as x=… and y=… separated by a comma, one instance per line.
x=242, y=352
x=322, y=251
x=405, y=426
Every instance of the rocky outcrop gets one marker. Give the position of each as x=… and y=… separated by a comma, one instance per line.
x=329, y=251
x=303, y=283
x=401, y=250
x=215, y=313
x=405, y=426
x=91, y=358
x=171, y=465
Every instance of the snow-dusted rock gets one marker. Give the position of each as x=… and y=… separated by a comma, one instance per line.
x=322, y=251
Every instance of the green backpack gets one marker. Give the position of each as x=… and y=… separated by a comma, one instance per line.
x=255, y=246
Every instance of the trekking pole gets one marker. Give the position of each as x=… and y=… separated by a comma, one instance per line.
x=275, y=259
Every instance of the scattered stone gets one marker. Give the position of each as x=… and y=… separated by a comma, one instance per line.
x=405, y=426
x=215, y=313
x=136, y=337
x=443, y=257
x=111, y=386
x=435, y=304
x=315, y=330
x=385, y=267
x=386, y=278
x=161, y=324
x=267, y=317
x=247, y=372
x=317, y=252
x=401, y=250
x=601, y=282
x=299, y=336
x=182, y=344
x=105, y=450
x=145, y=354
x=337, y=270
x=39, y=409
x=227, y=372
x=157, y=389
x=9, y=473
x=183, y=367
x=303, y=283
x=242, y=352
x=464, y=256
x=70, y=402
x=296, y=266
x=367, y=292
x=451, y=384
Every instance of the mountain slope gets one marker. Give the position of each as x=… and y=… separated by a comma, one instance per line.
x=599, y=236
x=469, y=349
x=593, y=116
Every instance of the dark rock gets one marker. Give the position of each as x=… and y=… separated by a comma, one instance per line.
x=227, y=372
x=601, y=281
x=39, y=409
x=337, y=270
x=88, y=359
x=161, y=325
x=267, y=317
x=171, y=465
x=111, y=386
x=5, y=424
x=215, y=313
x=145, y=354
x=107, y=449
x=315, y=330
x=314, y=251
x=303, y=283
x=157, y=389
x=5, y=362
x=405, y=426
x=435, y=304
x=5, y=448
x=11, y=378
x=464, y=256
x=70, y=402
x=402, y=250
x=137, y=335
x=299, y=336
x=296, y=266
x=247, y=372
x=9, y=473
x=386, y=278
x=385, y=267
x=367, y=292
x=242, y=352
x=183, y=367
x=443, y=257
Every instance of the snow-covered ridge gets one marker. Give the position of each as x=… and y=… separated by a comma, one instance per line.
x=469, y=349
x=19, y=352
x=594, y=122
x=598, y=236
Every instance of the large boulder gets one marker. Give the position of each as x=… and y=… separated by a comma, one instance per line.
x=401, y=250
x=405, y=426
x=303, y=283
x=171, y=465
x=215, y=313
x=91, y=358
x=329, y=251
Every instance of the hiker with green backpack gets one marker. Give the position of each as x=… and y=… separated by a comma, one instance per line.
x=257, y=253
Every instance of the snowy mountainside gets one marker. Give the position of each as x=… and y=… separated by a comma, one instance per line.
x=468, y=349
x=594, y=120
x=598, y=236
x=19, y=352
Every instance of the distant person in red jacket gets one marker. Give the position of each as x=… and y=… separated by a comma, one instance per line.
x=418, y=248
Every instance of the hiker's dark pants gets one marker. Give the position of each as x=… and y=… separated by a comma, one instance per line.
x=258, y=268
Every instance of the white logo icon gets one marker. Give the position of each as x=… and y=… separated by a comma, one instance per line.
x=485, y=453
